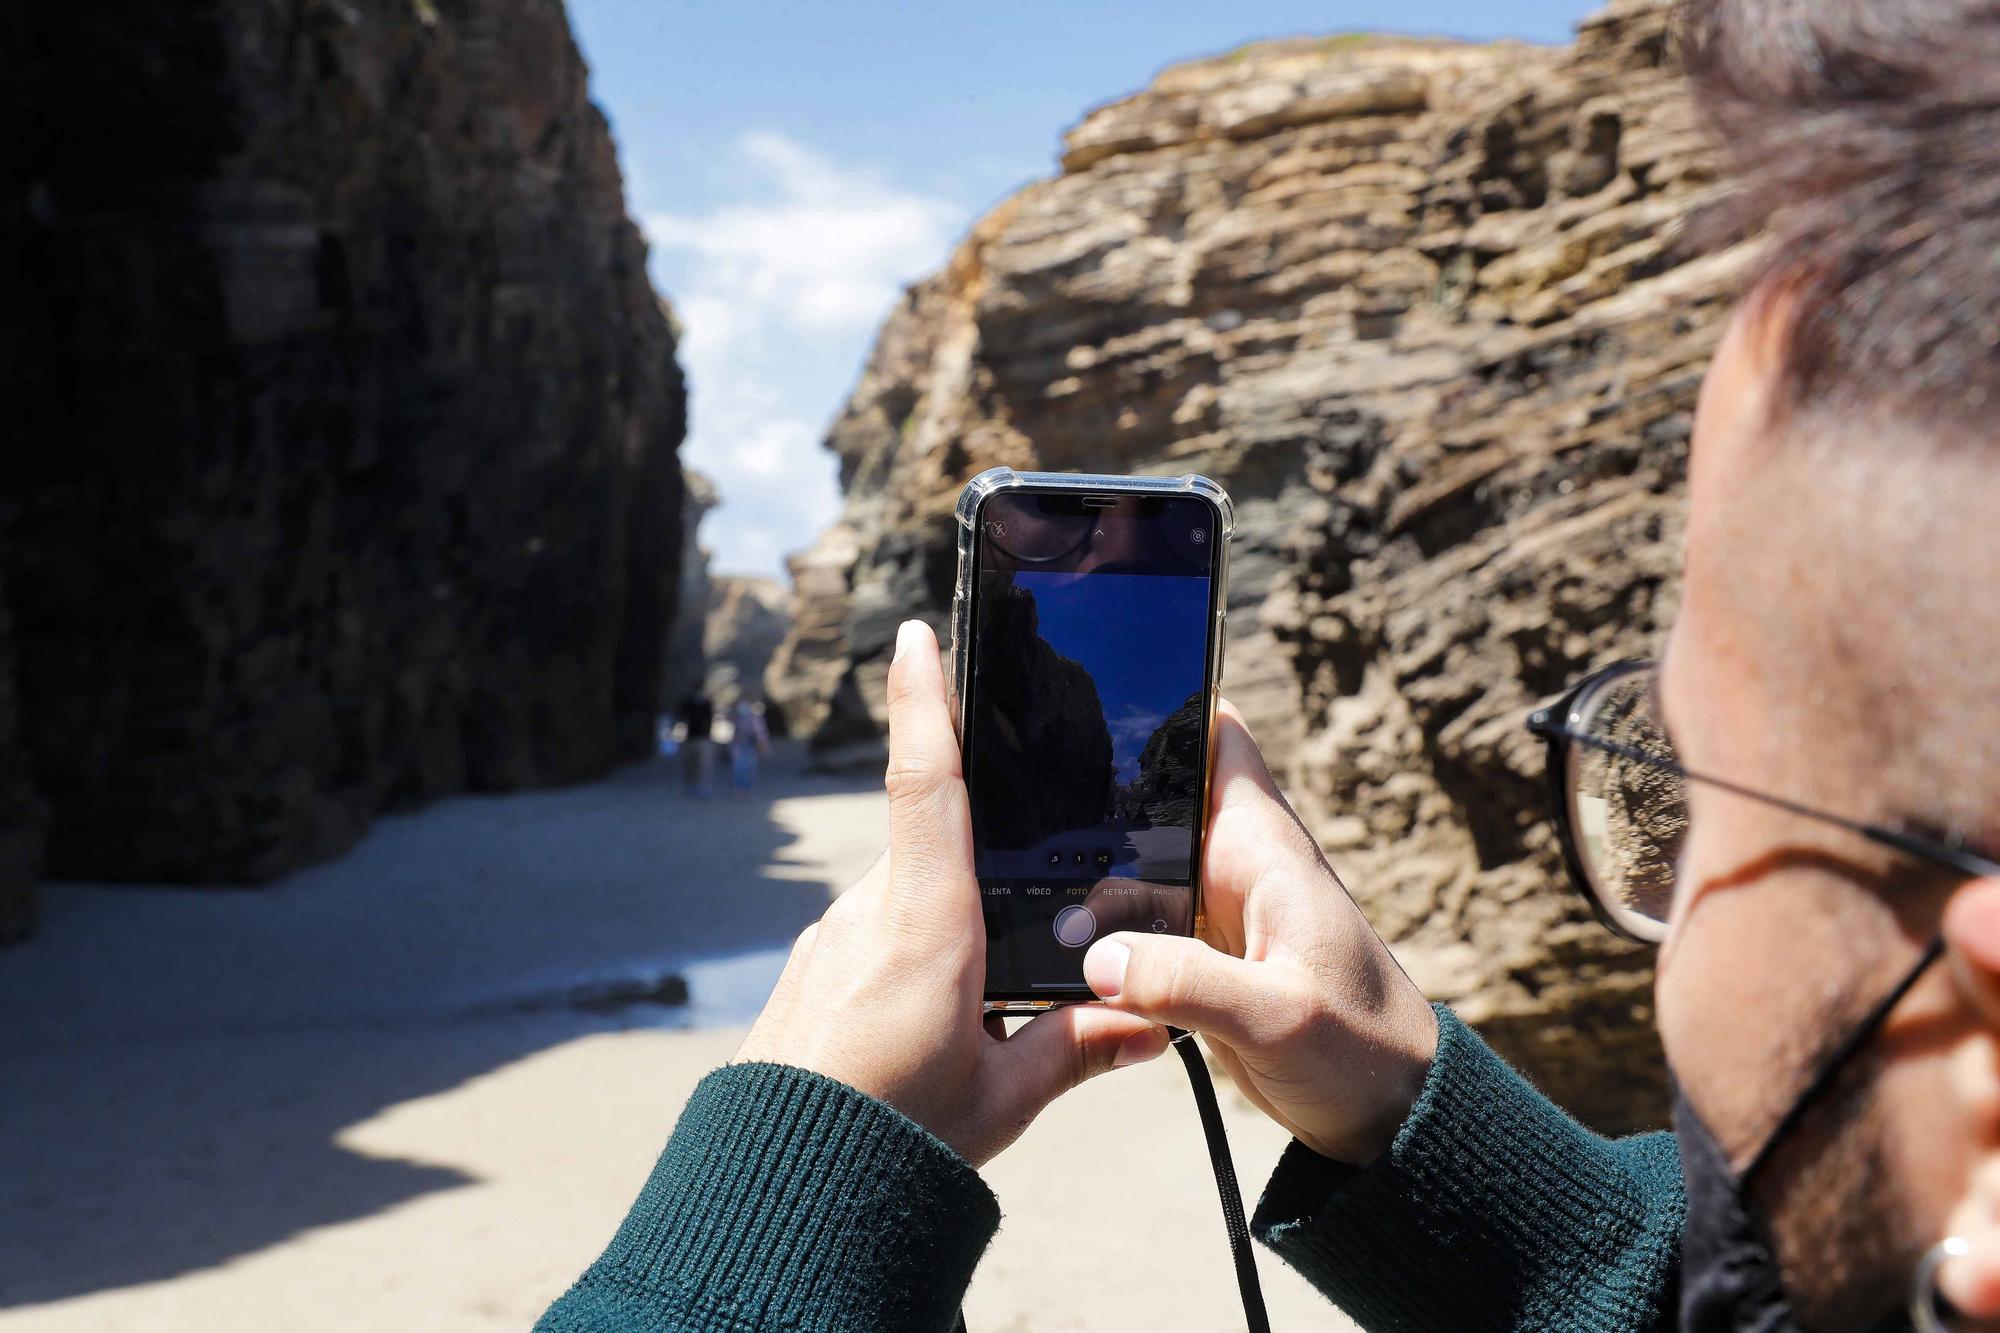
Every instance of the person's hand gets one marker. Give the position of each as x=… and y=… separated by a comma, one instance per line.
x=883, y=993
x=1299, y=999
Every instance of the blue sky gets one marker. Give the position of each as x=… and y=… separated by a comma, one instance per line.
x=795, y=164
x=1152, y=659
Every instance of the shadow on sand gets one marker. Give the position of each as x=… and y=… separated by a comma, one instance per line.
x=181, y=1063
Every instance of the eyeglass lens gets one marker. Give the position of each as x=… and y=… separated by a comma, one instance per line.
x=1629, y=817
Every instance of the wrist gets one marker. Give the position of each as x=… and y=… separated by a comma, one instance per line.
x=766, y=1154
x=1388, y=1093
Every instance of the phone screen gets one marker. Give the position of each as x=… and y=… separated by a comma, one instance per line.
x=1086, y=725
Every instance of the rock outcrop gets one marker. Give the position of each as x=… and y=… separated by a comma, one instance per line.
x=748, y=618
x=23, y=814
x=727, y=626
x=1418, y=304
x=345, y=426
x=685, y=664
x=1039, y=730
x=1167, y=791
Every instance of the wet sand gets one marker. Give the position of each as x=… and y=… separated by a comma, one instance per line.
x=410, y=1089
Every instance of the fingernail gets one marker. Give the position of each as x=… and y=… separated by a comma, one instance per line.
x=1140, y=1047
x=1104, y=967
x=905, y=636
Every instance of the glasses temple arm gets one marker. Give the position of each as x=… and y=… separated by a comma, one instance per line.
x=1918, y=845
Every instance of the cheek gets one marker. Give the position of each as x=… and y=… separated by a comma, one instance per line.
x=1715, y=1055
x=1714, y=967
x=1692, y=705
x=1694, y=960
x=1677, y=981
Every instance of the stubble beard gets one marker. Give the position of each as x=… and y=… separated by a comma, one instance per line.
x=1844, y=1231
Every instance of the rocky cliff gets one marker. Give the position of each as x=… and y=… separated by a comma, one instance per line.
x=1168, y=789
x=23, y=814
x=345, y=424
x=1418, y=305
x=686, y=666
x=1039, y=730
x=748, y=617
x=726, y=626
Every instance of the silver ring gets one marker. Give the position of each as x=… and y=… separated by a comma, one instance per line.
x=1923, y=1283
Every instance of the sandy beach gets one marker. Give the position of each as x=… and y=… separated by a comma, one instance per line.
x=417, y=1087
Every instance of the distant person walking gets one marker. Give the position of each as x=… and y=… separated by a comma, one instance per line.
x=697, y=718
x=749, y=741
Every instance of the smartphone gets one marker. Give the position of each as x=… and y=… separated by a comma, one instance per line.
x=1087, y=645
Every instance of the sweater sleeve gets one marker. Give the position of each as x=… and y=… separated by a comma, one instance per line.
x=784, y=1200
x=1492, y=1210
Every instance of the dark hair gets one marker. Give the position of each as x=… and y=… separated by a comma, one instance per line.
x=1862, y=138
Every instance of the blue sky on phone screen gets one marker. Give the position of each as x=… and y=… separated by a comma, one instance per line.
x=1142, y=637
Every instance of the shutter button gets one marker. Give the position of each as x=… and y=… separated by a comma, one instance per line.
x=1075, y=926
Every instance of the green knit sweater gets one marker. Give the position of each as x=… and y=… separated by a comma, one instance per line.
x=785, y=1200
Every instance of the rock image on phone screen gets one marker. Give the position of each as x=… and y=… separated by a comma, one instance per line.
x=1087, y=642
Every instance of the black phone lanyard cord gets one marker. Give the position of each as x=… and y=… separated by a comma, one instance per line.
x=1225, y=1185
x=1225, y=1182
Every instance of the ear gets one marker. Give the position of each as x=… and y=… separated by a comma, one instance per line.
x=1972, y=948
x=1972, y=944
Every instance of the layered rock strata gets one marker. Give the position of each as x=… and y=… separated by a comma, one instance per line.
x=1040, y=730
x=346, y=423
x=686, y=663
x=23, y=813
x=1419, y=305
x=748, y=618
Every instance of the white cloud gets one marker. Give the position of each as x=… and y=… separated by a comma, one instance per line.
x=780, y=291
x=828, y=249
x=771, y=444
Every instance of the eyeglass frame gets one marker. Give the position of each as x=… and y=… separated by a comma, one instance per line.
x=1556, y=725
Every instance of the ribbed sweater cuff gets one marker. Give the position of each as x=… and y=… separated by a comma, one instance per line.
x=1492, y=1209
x=785, y=1200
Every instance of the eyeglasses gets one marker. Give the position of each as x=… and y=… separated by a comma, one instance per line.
x=1620, y=801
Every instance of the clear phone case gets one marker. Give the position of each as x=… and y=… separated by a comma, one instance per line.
x=998, y=479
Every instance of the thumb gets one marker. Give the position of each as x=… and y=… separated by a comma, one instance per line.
x=1185, y=983
x=1054, y=1052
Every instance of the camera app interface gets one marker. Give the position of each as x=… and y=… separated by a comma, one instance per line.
x=1087, y=725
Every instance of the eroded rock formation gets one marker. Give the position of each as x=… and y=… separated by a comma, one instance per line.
x=23, y=813
x=686, y=664
x=1040, y=731
x=726, y=627
x=345, y=424
x=748, y=618
x=1167, y=792
x=1418, y=305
